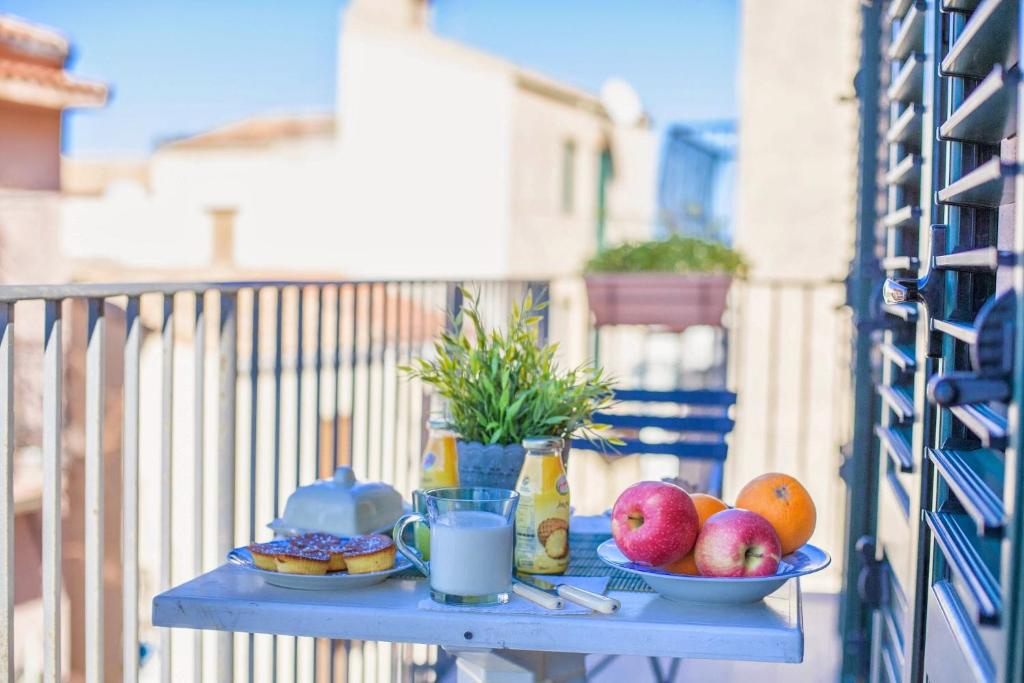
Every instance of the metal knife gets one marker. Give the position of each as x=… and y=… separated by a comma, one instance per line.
x=584, y=598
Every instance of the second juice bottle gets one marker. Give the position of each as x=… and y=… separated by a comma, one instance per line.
x=542, y=518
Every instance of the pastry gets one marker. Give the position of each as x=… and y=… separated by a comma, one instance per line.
x=328, y=543
x=553, y=534
x=372, y=553
x=302, y=561
x=264, y=554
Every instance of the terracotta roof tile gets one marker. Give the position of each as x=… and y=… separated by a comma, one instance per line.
x=15, y=30
x=58, y=78
x=259, y=130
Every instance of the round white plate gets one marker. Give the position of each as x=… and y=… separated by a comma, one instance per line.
x=723, y=590
x=337, y=581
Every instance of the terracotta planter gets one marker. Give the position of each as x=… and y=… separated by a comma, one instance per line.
x=673, y=300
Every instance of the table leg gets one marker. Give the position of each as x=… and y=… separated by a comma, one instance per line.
x=519, y=666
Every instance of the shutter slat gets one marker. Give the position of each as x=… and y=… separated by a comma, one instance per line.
x=906, y=172
x=898, y=400
x=986, y=186
x=898, y=355
x=907, y=128
x=984, y=423
x=989, y=114
x=909, y=82
x=965, y=332
x=896, y=447
x=911, y=34
x=967, y=564
x=903, y=217
x=987, y=39
x=978, y=500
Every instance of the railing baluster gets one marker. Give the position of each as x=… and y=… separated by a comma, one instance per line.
x=130, y=496
x=364, y=455
x=278, y=371
x=227, y=382
x=7, y=490
x=166, y=469
x=318, y=368
x=299, y=370
x=254, y=396
x=276, y=493
x=350, y=443
x=396, y=439
x=386, y=465
x=300, y=295
x=95, y=394
x=198, y=456
x=53, y=372
x=254, y=383
x=335, y=416
x=772, y=385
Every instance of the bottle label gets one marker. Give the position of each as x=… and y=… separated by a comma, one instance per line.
x=542, y=517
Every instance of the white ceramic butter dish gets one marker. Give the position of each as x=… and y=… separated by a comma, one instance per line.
x=340, y=506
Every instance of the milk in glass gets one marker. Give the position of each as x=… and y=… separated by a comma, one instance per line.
x=471, y=553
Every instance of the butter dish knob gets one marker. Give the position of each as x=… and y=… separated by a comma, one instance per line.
x=344, y=477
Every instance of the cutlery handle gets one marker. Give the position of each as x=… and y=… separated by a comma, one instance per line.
x=537, y=596
x=598, y=603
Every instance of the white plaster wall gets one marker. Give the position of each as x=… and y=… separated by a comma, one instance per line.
x=424, y=150
x=546, y=240
x=281, y=192
x=795, y=221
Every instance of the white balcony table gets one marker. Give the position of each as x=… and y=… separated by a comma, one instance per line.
x=231, y=599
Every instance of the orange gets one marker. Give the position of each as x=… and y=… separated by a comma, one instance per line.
x=684, y=565
x=706, y=505
x=785, y=503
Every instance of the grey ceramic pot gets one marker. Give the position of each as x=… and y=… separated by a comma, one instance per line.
x=489, y=464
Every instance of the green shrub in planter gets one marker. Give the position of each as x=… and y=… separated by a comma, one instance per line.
x=502, y=386
x=675, y=254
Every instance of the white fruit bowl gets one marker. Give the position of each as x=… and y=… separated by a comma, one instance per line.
x=720, y=590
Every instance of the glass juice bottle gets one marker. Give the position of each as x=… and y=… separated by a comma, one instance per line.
x=440, y=465
x=439, y=469
x=542, y=518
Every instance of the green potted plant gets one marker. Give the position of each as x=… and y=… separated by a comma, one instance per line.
x=675, y=282
x=502, y=385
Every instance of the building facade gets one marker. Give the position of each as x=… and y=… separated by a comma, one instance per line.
x=471, y=165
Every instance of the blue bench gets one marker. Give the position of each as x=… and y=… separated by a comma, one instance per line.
x=688, y=424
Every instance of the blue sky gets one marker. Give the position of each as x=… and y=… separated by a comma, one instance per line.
x=185, y=66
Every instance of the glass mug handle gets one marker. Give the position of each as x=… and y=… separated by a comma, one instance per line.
x=411, y=554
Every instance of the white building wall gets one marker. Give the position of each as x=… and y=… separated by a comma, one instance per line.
x=795, y=222
x=282, y=192
x=546, y=240
x=424, y=143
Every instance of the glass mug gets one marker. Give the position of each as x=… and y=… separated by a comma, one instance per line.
x=471, y=535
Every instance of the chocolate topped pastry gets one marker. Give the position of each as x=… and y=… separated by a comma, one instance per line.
x=292, y=560
x=264, y=554
x=333, y=545
x=370, y=553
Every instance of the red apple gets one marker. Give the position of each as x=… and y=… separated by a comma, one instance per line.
x=654, y=523
x=737, y=543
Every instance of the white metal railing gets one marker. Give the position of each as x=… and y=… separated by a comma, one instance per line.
x=317, y=386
